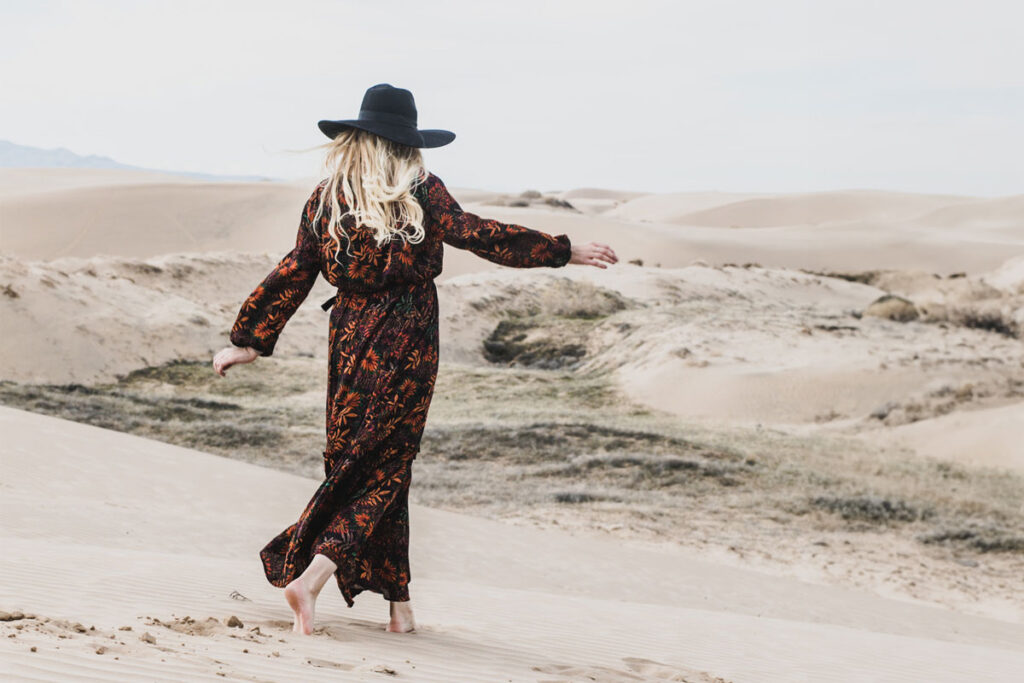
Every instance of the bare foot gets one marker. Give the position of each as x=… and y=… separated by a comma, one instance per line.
x=303, y=602
x=402, y=620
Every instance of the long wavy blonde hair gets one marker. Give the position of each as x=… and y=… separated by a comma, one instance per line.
x=376, y=178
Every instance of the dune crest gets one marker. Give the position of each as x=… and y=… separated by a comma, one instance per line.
x=815, y=208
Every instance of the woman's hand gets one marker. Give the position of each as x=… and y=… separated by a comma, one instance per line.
x=233, y=355
x=592, y=253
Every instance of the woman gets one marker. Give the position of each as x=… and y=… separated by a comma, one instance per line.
x=393, y=217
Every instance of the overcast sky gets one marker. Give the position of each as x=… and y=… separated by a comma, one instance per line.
x=732, y=95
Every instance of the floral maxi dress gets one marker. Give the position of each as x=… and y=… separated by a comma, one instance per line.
x=383, y=360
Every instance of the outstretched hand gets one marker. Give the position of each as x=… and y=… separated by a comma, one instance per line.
x=592, y=253
x=233, y=355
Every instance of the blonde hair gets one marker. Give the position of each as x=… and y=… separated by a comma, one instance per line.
x=376, y=178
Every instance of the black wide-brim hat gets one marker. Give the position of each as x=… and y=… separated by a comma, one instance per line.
x=390, y=112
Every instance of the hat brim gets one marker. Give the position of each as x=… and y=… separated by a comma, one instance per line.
x=431, y=137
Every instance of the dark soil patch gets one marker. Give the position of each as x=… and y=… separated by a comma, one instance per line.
x=868, y=277
x=508, y=344
x=984, y=538
x=875, y=510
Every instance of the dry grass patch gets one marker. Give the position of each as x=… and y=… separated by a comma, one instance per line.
x=565, y=448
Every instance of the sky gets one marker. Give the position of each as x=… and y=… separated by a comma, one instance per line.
x=644, y=95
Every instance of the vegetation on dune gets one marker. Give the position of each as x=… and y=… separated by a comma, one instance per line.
x=511, y=440
x=538, y=432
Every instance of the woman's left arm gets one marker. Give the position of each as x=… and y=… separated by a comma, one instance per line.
x=507, y=244
x=265, y=312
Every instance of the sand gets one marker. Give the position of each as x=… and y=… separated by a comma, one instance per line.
x=50, y=213
x=19, y=182
x=147, y=219
x=107, y=271
x=992, y=437
x=716, y=321
x=152, y=269
x=164, y=545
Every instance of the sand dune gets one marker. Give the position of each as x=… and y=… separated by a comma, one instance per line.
x=838, y=247
x=148, y=219
x=752, y=344
x=16, y=182
x=1000, y=213
x=741, y=345
x=164, y=546
x=107, y=272
x=599, y=193
x=815, y=208
x=664, y=207
x=991, y=437
x=82, y=320
x=597, y=201
x=1009, y=277
x=51, y=213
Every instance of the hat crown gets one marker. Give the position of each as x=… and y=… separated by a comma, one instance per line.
x=384, y=98
x=390, y=113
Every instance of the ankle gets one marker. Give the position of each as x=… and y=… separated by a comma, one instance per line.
x=317, y=574
x=316, y=584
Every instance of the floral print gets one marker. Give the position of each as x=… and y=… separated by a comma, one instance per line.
x=383, y=360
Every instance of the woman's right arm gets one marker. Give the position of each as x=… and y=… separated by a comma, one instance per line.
x=265, y=311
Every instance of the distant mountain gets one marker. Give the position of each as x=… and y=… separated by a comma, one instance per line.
x=22, y=156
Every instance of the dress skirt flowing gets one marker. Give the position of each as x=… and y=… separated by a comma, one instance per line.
x=382, y=366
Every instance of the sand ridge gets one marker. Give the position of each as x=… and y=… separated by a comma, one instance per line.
x=140, y=214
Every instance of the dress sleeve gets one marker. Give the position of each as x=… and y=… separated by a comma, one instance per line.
x=272, y=303
x=504, y=243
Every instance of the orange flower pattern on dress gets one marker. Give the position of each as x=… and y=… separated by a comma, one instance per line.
x=383, y=359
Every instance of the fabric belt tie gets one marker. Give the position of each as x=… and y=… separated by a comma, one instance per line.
x=384, y=291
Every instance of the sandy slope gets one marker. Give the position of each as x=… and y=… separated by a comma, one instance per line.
x=751, y=344
x=992, y=437
x=155, y=218
x=48, y=213
x=80, y=320
x=816, y=208
x=15, y=182
x=153, y=270
x=163, y=545
x=999, y=213
x=664, y=207
x=730, y=344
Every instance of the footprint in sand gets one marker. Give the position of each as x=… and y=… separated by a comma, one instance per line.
x=663, y=672
x=637, y=669
x=327, y=664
